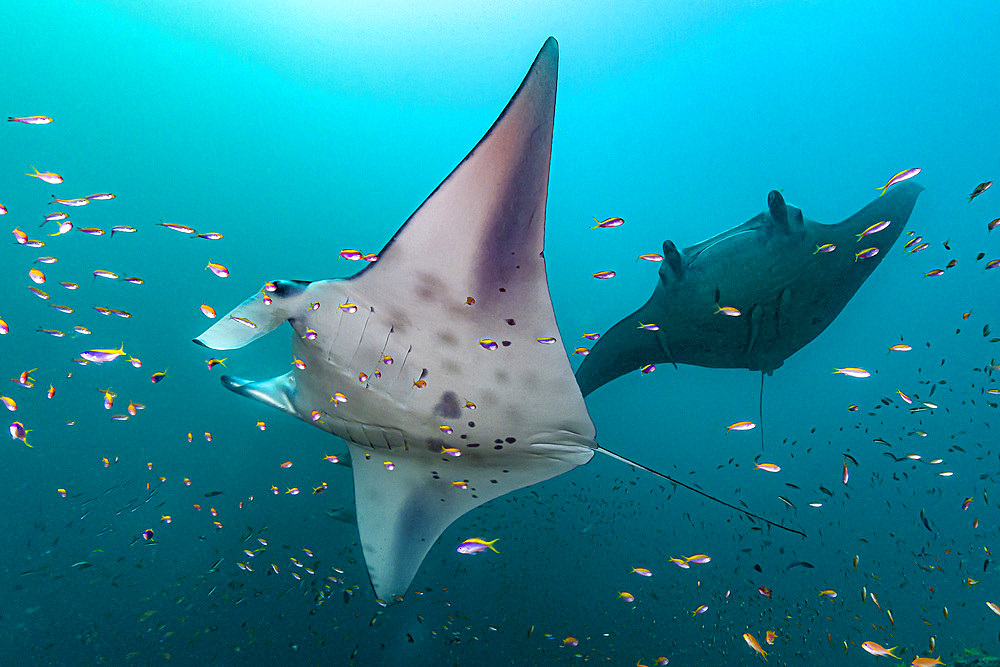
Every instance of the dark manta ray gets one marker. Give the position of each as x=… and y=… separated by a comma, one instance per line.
x=440, y=363
x=775, y=270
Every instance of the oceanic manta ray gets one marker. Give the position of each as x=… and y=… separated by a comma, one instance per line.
x=428, y=362
x=440, y=363
x=780, y=277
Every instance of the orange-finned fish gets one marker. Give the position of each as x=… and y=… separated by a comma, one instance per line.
x=218, y=269
x=740, y=426
x=653, y=257
x=101, y=196
x=900, y=347
x=898, y=178
x=826, y=247
x=876, y=649
x=123, y=229
x=183, y=229
x=727, y=310
x=604, y=275
x=69, y=202
x=980, y=189
x=770, y=637
x=351, y=255
x=48, y=176
x=846, y=476
x=30, y=120
x=754, y=644
x=768, y=467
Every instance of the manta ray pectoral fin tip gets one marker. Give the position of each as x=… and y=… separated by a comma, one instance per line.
x=197, y=341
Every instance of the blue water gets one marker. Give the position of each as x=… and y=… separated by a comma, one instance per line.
x=297, y=129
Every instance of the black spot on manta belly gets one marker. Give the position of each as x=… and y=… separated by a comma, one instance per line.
x=448, y=406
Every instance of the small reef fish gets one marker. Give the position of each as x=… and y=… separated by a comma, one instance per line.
x=904, y=175
x=610, y=222
x=218, y=269
x=877, y=227
x=654, y=257
x=768, y=467
x=876, y=649
x=101, y=355
x=48, y=176
x=741, y=426
x=727, y=310
x=867, y=253
x=30, y=120
x=475, y=545
x=826, y=247
x=183, y=229
x=980, y=189
x=754, y=644
x=852, y=371
x=18, y=432
x=69, y=202
x=605, y=275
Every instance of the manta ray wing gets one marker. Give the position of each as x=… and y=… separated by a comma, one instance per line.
x=429, y=361
x=770, y=270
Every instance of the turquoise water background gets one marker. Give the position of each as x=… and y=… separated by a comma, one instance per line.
x=297, y=129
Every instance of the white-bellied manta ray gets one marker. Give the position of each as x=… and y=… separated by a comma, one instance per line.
x=440, y=363
x=754, y=295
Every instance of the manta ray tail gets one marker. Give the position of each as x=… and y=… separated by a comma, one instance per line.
x=698, y=491
x=760, y=410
